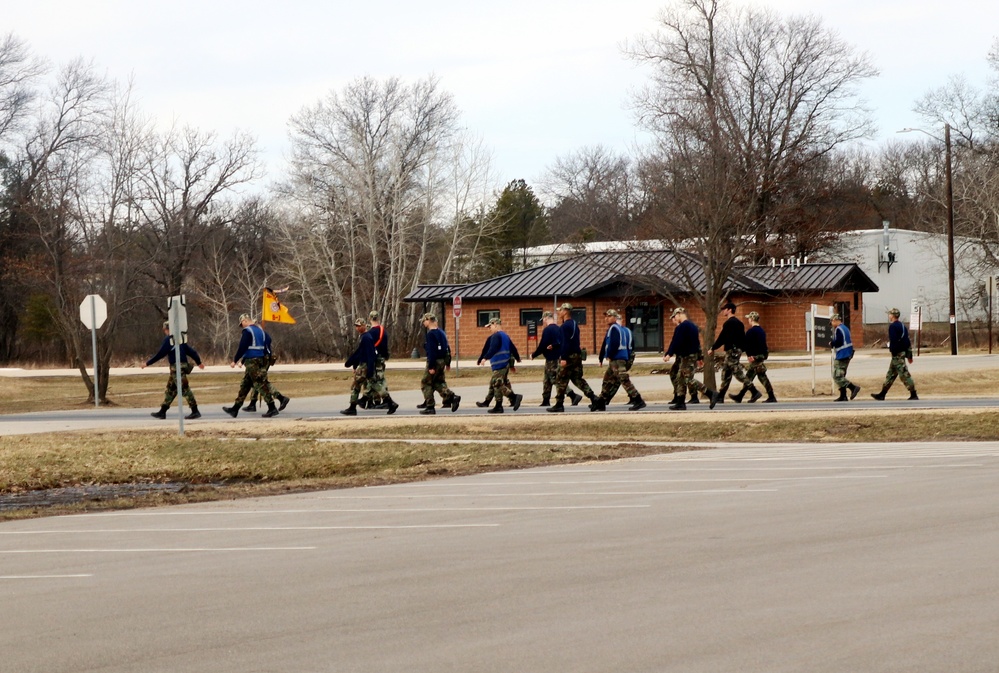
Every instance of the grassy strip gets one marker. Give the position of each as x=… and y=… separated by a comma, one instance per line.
x=220, y=462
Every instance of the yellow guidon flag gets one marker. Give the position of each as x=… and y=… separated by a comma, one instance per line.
x=273, y=310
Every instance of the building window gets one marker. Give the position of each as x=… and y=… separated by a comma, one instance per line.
x=483, y=317
x=530, y=315
x=579, y=315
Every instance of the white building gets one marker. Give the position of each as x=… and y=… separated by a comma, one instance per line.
x=911, y=267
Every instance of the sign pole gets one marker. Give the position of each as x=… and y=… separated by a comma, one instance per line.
x=93, y=343
x=811, y=335
x=456, y=306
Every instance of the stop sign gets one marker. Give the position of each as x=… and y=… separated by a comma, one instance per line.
x=457, y=307
x=93, y=311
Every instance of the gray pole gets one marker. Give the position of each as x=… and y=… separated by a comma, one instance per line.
x=93, y=344
x=174, y=311
x=950, y=243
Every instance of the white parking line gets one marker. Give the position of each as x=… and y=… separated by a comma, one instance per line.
x=154, y=550
x=237, y=529
x=42, y=577
x=355, y=510
x=543, y=494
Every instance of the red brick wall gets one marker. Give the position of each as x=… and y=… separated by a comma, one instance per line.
x=782, y=318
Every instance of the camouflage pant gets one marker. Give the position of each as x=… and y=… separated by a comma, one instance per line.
x=255, y=377
x=571, y=371
x=685, y=376
x=550, y=376
x=758, y=369
x=615, y=377
x=435, y=382
x=899, y=369
x=499, y=384
x=376, y=387
x=732, y=367
x=171, y=388
x=490, y=394
x=839, y=373
x=268, y=362
x=360, y=380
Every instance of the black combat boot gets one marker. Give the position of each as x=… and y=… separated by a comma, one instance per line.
x=721, y=395
x=427, y=408
x=739, y=395
x=351, y=410
x=498, y=409
x=232, y=411
x=252, y=406
x=515, y=401
x=195, y=414
x=576, y=398
x=693, y=398
x=854, y=389
x=598, y=404
x=271, y=411
x=423, y=405
x=913, y=395
x=558, y=408
x=284, y=402
x=161, y=414
x=770, y=398
x=637, y=404
x=455, y=401
x=392, y=406
x=712, y=399
x=484, y=404
x=679, y=406
x=881, y=395
x=754, y=394
x=545, y=402
x=842, y=395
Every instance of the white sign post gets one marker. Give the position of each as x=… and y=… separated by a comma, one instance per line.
x=457, y=326
x=93, y=313
x=177, y=312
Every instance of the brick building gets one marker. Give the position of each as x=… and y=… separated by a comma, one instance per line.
x=645, y=285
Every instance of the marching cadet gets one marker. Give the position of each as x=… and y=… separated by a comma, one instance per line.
x=252, y=351
x=363, y=361
x=900, y=348
x=617, y=348
x=686, y=346
x=756, y=354
x=731, y=338
x=499, y=353
x=438, y=360
x=167, y=349
x=842, y=348
x=269, y=360
x=550, y=346
x=514, y=358
x=570, y=364
x=377, y=392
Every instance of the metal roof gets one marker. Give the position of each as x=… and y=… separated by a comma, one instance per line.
x=658, y=271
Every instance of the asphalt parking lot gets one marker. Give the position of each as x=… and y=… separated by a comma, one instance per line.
x=832, y=557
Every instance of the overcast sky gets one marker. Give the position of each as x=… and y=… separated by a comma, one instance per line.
x=535, y=79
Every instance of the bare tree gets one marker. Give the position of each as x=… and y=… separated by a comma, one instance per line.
x=19, y=71
x=361, y=199
x=740, y=105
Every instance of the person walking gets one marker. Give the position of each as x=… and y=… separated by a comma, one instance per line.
x=363, y=360
x=186, y=367
x=731, y=338
x=269, y=360
x=377, y=392
x=514, y=358
x=550, y=346
x=571, y=363
x=756, y=355
x=438, y=361
x=842, y=348
x=498, y=354
x=617, y=349
x=251, y=352
x=900, y=347
x=686, y=346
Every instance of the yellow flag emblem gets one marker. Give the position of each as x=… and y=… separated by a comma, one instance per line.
x=273, y=310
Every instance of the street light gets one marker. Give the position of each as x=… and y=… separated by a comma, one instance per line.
x=950, y=230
